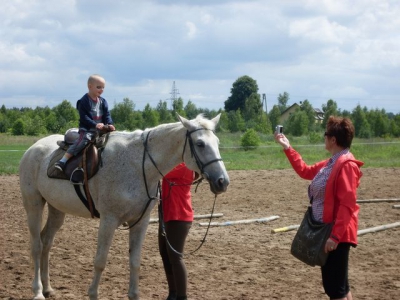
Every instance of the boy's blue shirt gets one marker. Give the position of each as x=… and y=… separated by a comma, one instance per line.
x=85, y=118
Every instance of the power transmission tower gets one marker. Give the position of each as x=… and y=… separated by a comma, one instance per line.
x=174, y=94
x=264, y=101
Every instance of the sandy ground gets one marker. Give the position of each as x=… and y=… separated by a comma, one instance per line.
x=236, y=262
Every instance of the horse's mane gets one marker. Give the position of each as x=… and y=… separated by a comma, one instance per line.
x=205, y=123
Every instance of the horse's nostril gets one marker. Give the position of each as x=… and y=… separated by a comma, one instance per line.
x=221, y=182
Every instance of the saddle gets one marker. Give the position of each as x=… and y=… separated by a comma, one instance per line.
x=80, y=168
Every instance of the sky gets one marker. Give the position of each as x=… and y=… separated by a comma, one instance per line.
x=344, y=50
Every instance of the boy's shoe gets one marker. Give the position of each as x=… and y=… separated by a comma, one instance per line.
x=60, y=165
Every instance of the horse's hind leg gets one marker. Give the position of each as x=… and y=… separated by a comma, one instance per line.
x=34, y=204
x=54, y=222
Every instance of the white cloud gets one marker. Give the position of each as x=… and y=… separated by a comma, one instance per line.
x=191, y=30
x=348, y=50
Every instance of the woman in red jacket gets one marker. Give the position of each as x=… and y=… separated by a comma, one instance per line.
x=333, y=195
x=177, y=216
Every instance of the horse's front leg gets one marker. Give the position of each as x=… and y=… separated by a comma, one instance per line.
x=136, y=237
x=104, y=240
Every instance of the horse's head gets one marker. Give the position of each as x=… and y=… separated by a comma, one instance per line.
x=203, y=156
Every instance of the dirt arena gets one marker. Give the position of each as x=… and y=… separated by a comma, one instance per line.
x=236, y=262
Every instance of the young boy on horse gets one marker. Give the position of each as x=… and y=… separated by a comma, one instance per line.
x=93, y=116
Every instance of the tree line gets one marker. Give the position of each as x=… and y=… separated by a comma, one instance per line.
x=243, y=111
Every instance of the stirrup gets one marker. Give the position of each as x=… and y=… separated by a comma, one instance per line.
x=78, y=169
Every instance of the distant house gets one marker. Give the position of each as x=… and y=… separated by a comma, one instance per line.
x=319, y=114
x=287, y=112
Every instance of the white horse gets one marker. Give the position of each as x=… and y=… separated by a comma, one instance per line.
x=123, y=191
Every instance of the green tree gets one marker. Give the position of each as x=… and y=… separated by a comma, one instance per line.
x=164, y=113
x=235, y=121
x=274, y=116
x=379, y=122
x=360, y=122
x=329, y=109
x=252, y=109
x=297, y=124
x=150, y=117
x=67, y=116
x=395, y=126
x=223, y=124
x=35, y=126
x=310, y=112
x=250, y=139
x=241, y=89
x=123, y=115
x=177, y=105
x=282, y=101
x=4, y=123
x=51, y=123
x=191, y=110
x=264, y=125
x=18, y=127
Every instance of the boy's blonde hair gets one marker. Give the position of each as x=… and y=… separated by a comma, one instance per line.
x=95, y=77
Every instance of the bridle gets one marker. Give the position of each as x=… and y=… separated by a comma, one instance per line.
x=200, y=165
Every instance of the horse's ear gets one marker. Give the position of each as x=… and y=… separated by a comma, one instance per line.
x=216, y=119
x=185, y=122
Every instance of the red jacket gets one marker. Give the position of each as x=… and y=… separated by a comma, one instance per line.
x=340, y=192
x=177, y=200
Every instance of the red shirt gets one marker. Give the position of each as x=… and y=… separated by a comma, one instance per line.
x=340, y=192
x=177, y=199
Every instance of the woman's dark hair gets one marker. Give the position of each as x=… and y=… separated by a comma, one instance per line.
x=342, y=129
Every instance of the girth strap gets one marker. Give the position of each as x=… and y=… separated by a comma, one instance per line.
x=78, y=191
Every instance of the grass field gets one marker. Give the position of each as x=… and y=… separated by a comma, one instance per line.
x=374, y=153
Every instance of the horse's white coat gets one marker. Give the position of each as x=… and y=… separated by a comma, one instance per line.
x=118, y=191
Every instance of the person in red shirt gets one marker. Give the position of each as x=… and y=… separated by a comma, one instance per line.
x=177, y=217
x=333, y=194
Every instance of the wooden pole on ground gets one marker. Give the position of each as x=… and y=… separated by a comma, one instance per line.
x=284, y=229
x=379, y=200
x=359, y=232
x=267, y=219
x=396, y=206
x=196, y=217
x=378, y=228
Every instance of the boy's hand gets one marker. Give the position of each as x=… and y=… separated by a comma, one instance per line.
x=99, y=126
x=111, y=127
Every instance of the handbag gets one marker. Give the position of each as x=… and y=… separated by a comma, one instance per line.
x=308, y=244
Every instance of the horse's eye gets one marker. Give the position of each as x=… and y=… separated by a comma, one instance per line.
x=200, y=144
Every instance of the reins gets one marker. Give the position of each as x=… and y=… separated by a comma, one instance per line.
x=164, y=234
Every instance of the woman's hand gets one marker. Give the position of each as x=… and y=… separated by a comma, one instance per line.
x=281, y=139
x=330, y=245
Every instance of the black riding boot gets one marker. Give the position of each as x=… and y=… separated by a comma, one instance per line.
x=181, y=298
x=171, y=296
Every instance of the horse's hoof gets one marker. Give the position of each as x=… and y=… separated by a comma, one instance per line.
x=39, y=297
x=49, y=293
